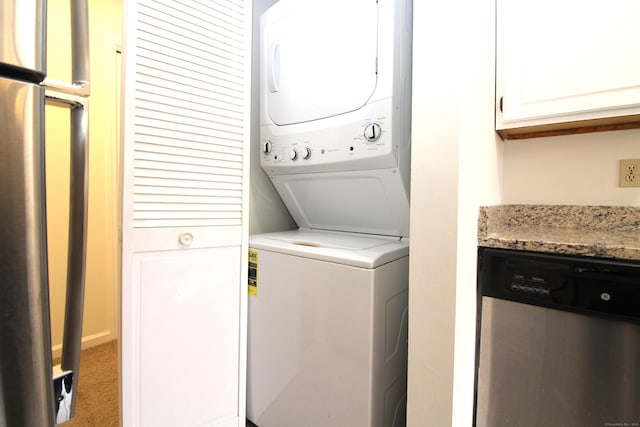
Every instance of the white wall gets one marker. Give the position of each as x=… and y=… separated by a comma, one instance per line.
x=266, y=210
x=456, y=168
x=577, y=169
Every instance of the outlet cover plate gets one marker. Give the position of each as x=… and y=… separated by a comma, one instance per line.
x=630, y=173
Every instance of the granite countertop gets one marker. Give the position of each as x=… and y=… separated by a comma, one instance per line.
x=596, y=231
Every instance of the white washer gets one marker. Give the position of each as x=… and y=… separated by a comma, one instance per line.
x=328, y=330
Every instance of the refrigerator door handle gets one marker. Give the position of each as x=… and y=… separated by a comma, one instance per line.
x=80, y=85
x=80, y=43
x=79, y=89
x=65, y=376
x=74, y=96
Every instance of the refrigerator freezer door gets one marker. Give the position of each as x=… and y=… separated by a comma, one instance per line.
x=25, y=347
x=23, y=39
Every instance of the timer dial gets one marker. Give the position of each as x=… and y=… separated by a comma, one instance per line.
x=372, y=131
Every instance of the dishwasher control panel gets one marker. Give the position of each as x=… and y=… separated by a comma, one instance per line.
x=532, y=286
x=580, y=284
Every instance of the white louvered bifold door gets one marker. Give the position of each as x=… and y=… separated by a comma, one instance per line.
x=186, y=118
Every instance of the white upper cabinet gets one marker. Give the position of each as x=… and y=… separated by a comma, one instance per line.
x=567, y=66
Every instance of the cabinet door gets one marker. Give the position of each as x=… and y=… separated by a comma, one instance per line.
x=185, y=220
x=566, y=62
x=188, y=327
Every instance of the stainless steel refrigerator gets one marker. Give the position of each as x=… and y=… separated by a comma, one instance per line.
x=32, y=392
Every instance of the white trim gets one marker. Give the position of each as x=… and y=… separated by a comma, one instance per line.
x=246, y=183
x=88, y=341
x=130, y=371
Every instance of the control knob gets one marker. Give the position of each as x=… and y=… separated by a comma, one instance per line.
x=293, y=154
x=306, y=153
x=266, y=147
x=372, y=131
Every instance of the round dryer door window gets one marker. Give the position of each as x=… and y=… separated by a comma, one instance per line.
x=318, y=58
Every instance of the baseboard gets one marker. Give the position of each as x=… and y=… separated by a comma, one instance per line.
x=87, y=342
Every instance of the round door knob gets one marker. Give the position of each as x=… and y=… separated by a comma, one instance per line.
x=185, y=239
x=306, y=153
x=293, y=154
x=372, y=131
x=266, y=147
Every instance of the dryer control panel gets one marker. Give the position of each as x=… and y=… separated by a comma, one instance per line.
x=346, y=146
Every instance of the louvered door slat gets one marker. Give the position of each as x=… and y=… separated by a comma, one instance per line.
x=160, y=157
x=192, y=153
x=177, y=192
x=150, y=136
x=185, y=185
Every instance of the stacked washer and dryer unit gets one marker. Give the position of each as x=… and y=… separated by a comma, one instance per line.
x=327, y=331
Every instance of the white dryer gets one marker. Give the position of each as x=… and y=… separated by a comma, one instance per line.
x=327, y=330
x=335, y=112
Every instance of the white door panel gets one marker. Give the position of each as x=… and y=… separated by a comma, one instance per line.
x=319, y=63
x=189, y=336
x=566, y=61
x=185, y=212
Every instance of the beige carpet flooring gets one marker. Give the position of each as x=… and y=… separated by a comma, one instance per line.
x=98, y=389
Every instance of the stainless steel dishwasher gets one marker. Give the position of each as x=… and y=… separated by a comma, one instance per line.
x=558, y=340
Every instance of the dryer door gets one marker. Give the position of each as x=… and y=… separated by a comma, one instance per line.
x=318, y=58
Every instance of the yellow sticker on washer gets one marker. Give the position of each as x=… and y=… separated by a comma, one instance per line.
x=253, y=273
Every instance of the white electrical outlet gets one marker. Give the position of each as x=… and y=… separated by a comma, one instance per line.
x=630, y=173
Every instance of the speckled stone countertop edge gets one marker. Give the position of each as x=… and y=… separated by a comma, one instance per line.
x=594, y=231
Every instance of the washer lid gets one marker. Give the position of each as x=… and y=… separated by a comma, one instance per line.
x=318, y=58
x=358, y=250
x=369, y=201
